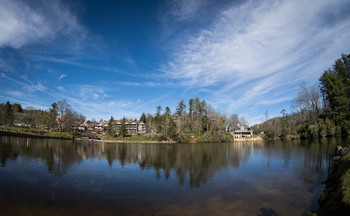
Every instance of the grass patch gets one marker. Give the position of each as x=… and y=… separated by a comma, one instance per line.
x=345, y=181
x=35, y=132
x=336, y=198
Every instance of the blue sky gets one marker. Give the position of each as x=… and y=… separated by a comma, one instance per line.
x=123, y=58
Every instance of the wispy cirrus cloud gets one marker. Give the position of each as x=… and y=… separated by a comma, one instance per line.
x=61, y=88
x=146, y=84
x=254, y=39
x=25, y=22
x=17, y=94
x=25, y=103
x=103, y=109
x=61, y=77
x=26, y=85
x=77, y=62
x=182, y=10
x=90, y=92
x=257, y=48
x=34, y=87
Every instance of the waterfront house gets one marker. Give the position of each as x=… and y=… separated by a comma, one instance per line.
x=83, y=126
x=241, y=131
x=132, y=126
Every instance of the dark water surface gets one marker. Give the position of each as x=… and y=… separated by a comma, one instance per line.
x=56, y=177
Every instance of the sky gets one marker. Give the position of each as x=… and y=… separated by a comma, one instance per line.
x=122, y=58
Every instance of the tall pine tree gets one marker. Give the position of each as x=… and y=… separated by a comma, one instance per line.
x=122, y=130
x=335, y=87
x=9, y=117
x=110, y=127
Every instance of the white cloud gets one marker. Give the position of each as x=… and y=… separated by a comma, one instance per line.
x=119, y=104
x=88, y=92
x=183, y=9
x=152, y=101
x=27, y=85
x=24, y=22
x=61, y=88
x=61, y=77
x=34, y=87
x=95, y=95
x=257, y=48
x=39, y=87
x=146, y=84
x=15, y=93
x=4, y=66
x=103, y=109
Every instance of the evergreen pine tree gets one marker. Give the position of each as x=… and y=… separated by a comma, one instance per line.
x=335, y=86
x=110, y=128
x=9, y=117
x=143, y=118
x=122, y=130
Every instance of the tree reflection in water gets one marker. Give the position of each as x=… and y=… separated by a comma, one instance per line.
x=247, y=178
x=195, y=163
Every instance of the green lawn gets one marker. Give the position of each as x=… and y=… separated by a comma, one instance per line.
x=33, y=131
x=336, y=198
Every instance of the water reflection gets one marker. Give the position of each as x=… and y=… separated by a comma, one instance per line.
x=198, y=162
x=246, y=178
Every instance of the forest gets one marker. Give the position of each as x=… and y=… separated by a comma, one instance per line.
x=195, y=121
x=318, y=111
x=60, y=116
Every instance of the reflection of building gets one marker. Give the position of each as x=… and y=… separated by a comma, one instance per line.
x=241, y=131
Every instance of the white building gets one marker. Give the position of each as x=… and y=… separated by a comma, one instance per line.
x=132, y=126
x=241, y=131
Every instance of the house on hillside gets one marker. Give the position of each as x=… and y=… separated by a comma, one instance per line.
x=83, y=126
x=132, y=126
x=92, y=127
x=241, y=131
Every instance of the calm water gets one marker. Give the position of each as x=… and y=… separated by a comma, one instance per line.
x=53, y=177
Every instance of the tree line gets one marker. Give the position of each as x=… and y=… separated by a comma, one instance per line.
x=195, y=121
x=318, y=111
x=59, y=116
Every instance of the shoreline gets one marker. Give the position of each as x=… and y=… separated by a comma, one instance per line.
x=8, y=133
x=161, y=142
x=249, y=139
x=335, y=199
x=125, y=141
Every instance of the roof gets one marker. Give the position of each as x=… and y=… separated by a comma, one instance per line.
x=236, y=127
x=128, y=122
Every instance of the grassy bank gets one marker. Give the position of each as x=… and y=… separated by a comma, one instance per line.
x=336, y=198
x=187, y=138
x=30, y=132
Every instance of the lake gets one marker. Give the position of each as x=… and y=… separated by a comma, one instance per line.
x=60, y=177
